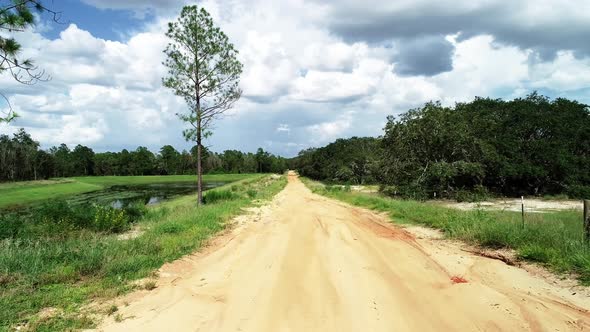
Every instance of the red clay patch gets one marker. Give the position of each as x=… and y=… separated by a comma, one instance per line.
x=458, y=280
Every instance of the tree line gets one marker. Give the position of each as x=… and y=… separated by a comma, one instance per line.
x=526, y=146
x=354, y=160
x=22, y=159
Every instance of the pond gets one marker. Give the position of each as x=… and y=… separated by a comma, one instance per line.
x=119, y=196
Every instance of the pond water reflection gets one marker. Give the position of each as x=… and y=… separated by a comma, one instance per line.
x=150, y=194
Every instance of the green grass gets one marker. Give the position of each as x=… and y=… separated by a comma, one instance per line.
x=554, y=239
x=67, y=273
x=23, y=193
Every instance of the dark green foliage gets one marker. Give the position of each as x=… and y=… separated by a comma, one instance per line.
x=353, y=160
x=577, y=190
x=135, y=210
x=530, y=146
x=527, y=146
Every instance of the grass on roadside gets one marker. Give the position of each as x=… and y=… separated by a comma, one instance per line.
x=63, y=274
x=553, y=239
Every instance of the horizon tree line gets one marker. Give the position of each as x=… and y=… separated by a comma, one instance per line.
x=22, y=159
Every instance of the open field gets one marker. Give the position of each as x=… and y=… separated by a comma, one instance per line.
x=59, y=274
x=309, y=263
x=554, y=239
x=22, y=193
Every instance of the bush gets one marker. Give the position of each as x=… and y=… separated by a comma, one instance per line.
x=54, y=210
x=389, y=190
x=60, y=212
x=135, y=211
x=578, y=191
x=213, y=196
x=108, y=219
x=414, y=191
x=252, y=193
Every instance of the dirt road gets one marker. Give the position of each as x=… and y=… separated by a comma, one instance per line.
x=308, y=263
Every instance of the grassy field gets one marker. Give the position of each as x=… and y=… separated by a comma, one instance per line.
x=22, y=193
x=553, y=239
x=62, y=273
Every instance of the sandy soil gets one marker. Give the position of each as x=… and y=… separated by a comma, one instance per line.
x=308, y=263
x=514, y=204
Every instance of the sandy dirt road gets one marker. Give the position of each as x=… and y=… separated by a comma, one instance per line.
x=309, y=263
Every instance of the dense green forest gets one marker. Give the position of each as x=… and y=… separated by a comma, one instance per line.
x=354, y=160
x=22, y=159
x=526, y=146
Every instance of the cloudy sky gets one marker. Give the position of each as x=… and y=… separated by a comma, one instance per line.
x=314, y=70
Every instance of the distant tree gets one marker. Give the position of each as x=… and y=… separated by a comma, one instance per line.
x=16, y=16
x=83, y=160
x=261, y=160
x=185, y=163
x=44, y=165
x=124, y=164
x=62, y=159
x=143, y=161
x=18, y=157
x=233, y=161
x=106, y=163
x=169, y=160
x=204, y=70
x=353, y=160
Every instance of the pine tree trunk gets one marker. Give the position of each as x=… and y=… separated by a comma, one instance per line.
x=199, y=168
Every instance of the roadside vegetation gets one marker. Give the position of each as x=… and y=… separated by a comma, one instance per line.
x=530, y=146
x=554, y=239
x=27, y=192
x=64, y=256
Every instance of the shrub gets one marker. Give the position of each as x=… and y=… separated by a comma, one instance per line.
x=414, y=191
x=108, y=219
x=251, y=193
x=135, y=211
x=578, y=191
x=54, y=210
x=389, y=190
x=213, y=196
x=60, y=212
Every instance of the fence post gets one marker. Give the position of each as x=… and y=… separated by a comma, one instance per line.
x=587, y=220
x=522, y=209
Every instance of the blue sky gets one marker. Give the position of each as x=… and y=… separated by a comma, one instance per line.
x=112, y=24
x=314, y=70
